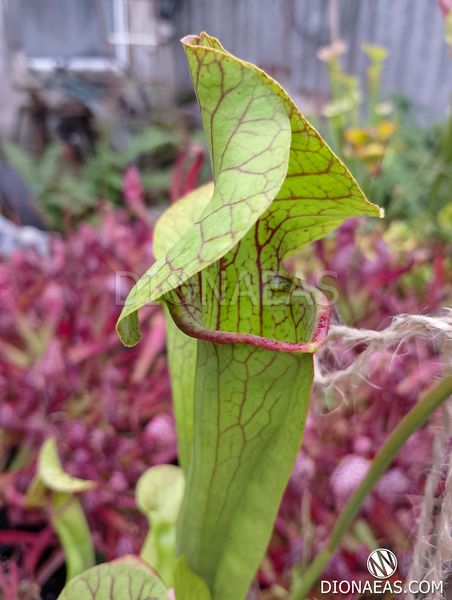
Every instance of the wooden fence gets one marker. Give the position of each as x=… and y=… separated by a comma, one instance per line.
x=283, y=36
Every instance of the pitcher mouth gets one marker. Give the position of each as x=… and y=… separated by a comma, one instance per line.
x=189, y=323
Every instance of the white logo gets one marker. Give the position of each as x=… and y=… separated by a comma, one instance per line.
x=382, y=563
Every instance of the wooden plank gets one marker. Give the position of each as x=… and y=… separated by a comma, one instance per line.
x=260, y=31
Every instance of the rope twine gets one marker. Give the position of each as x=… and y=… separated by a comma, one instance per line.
x=432, y=557
x=436, y=330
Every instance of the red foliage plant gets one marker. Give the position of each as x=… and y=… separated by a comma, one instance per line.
x=64, y=373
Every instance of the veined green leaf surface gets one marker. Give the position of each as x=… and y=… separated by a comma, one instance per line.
x=250, y=411
x=243, y=326
x=127, y=578
x=264, y=155
x=182, y=349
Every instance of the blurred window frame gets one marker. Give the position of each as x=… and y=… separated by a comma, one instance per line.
x=116, y=63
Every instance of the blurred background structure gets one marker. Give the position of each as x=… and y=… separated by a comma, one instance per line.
x=284, y=38
x=91, y=48
x=93, y=52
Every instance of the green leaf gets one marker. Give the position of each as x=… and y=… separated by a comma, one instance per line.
x=72, y=529
x=181, y=348
x=246, y=328
x=246, y=114
x=148, y=141
x=182, y=352
x=159, y=496
x=54, y=489
x=448, y=28
x=21, y=161
x=127, y=578
x=51, y=472
x=187, y=584
x=264, y=155
x=249, y=420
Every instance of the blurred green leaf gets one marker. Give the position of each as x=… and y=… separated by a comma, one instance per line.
x=187, y=584
x=53, y=476
x=159, y=495
x=54, y=489
x=127, y=578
